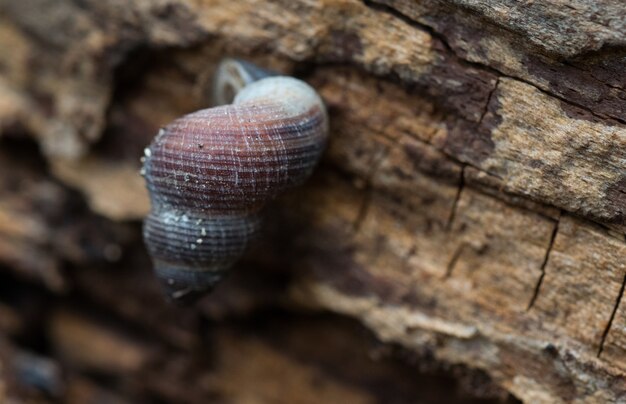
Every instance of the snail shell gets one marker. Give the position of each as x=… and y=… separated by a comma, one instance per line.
x=210, y=173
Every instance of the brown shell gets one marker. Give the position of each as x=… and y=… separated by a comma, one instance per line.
x=210, y=173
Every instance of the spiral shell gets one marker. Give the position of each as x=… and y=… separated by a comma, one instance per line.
x=210, y=173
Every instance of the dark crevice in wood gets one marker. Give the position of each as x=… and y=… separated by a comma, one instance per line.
x=544, y=264
x=493, y=90
x=454, y=259
x=605, y=333
x=501, y=198
x=456, y=199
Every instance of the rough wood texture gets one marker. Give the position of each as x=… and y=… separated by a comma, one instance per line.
x=471, y=206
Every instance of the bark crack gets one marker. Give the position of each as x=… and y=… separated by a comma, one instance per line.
x=454, y=259
x=489, y=97
x=544, y=264
x=456, y=199
x=605, y=333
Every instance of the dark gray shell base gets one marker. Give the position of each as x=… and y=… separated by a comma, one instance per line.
x=186, y=286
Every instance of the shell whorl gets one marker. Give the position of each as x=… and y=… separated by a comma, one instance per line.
x=210, y=173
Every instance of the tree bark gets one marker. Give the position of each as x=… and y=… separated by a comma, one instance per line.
x=470, y=208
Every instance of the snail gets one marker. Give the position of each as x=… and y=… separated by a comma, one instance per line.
x=210, y=173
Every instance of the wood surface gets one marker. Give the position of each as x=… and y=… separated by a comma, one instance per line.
x=470, y=210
